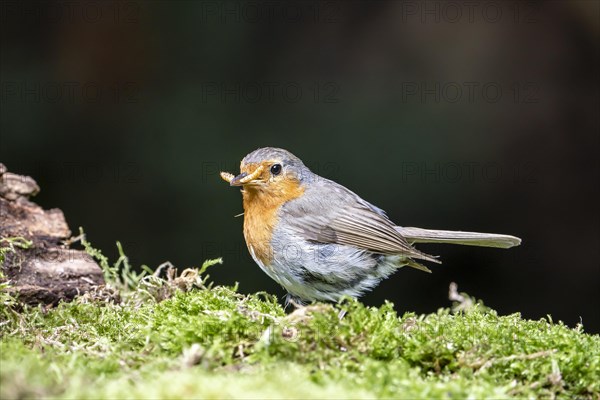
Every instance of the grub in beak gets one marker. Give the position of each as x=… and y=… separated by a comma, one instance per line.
x=243, y=178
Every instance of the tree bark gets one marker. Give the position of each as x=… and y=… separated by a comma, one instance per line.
x=48, y=271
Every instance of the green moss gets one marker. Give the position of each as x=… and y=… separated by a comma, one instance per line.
x=179, y=337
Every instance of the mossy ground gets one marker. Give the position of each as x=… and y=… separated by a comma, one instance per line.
x=180, y=337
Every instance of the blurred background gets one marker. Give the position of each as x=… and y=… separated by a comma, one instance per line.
x=480, y=116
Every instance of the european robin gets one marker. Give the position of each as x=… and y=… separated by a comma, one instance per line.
x=321, y=241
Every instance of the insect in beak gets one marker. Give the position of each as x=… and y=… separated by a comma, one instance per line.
x=243, y=178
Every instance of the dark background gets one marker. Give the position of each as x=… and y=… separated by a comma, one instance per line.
x=477, y=117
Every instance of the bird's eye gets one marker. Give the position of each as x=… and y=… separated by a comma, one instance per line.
x=276, y=169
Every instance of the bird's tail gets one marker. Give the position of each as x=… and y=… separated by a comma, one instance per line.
x=418, y=235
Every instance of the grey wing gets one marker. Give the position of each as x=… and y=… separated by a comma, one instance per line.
x=330, y=213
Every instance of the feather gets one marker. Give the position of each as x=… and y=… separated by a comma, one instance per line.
x=418, y=235
x=341, y=217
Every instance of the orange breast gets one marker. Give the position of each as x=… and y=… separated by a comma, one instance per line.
x=261, y=206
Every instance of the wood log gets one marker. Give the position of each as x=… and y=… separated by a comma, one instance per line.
x=48, y=271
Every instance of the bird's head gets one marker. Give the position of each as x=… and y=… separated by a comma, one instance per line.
x=271, y=171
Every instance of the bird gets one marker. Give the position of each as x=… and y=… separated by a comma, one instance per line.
x=322, y=242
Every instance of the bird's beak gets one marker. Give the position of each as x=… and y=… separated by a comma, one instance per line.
x=243, y=178
x=238, y=180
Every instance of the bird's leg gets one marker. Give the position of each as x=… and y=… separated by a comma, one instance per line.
x=294, y=301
